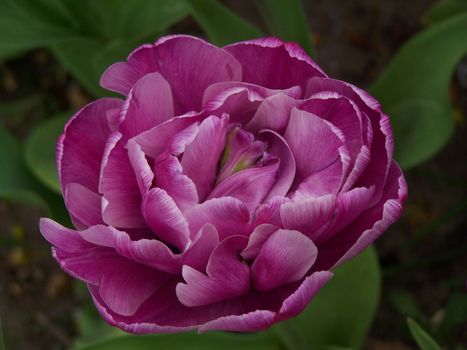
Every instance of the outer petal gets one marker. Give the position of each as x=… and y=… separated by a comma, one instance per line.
x=83, y=204
x=251, y=322
x=282, y=64
x=229, y=215
x=189, y=64
x=80, y=150
x=285, y=257
x=148, y=104
x=368, y=226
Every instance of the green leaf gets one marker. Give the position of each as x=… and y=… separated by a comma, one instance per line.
x=405, y=304
x=221, y=25
x=341, y=313
x=16, y=183
x=414, y=90
x=190, y=341
x=18, y=32
x=40, y=150
x=287, y=20
x=423, y=340
x=445, y=9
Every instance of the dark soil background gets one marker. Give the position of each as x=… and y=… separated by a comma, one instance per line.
x=423, y=256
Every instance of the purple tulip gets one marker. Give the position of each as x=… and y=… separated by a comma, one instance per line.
x=221, y=192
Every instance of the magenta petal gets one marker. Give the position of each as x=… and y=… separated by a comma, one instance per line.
x=83, y=204
x=269, y=211
x=310, y=216
x=273, y=113
x=250, y=185
x=300, y=299
x=80, y=150
x=167, y=135
x=229, y=215
x=148, y=104
x=240, y=100
x=389, y=210
x=165, y=219
x=257, y=239
x=126, y=285
x=227, y=277
x=286, y=174
x=282, y=64
x=314, y=143
x=170, y=178
x=141, y=168
x=119, y=77
x=250, y=322
x=121, y=197
x=285, y=257
x=199, y=162
x=61, y=237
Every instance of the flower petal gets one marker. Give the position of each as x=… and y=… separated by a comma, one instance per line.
x=199, y=162
x=282, y=64
x=82, y=145
x=229, y=215
x=285, y=257
x=227, y=277
x=83, y=204
x=165, y=219
x=148, y=104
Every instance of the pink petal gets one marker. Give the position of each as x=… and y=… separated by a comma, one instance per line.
x=250, y=186
x=199, y=162
x=229, y=215
x=83, y=204
x=121, y=197
x=148, y=104
x=257, y=239
x=166, y=136
x=80, y=150
x=170, y=178
x=189, y=64
x=240, y=100
x=313, y=141
x=273, y=113
x=141, y=168
x=250, y=322
x=269, y=211
x=310, y=216
x=279, y=148
x=227, y=277
x=120, y=77
x=300, y=299
x=282, y=64
x=285, y=257
x=165, y=219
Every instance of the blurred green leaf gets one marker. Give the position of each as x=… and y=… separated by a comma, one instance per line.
x=456, y=311
x=287, y=19
x=445, y=9
x=414, y=90
x=341, y=313
x=40, y=150
x=92, y=328
x=117, y=19
x=423, y=340
x=404, y=303
x=221, y=25
x=190, y=341
x=19, y=32
x=16, y=183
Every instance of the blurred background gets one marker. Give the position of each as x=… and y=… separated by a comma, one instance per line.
x=407, y=53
